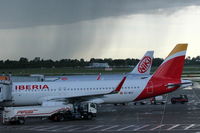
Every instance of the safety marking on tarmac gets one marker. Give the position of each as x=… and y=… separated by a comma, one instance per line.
x=125, y=127
x=189, y=126
x=73, y=129
x=109, y=128
x=94, y=128
x=63, y=128
x=173, y=127
x=139, y=128
x=159, y=126
x=48, y=128
x=40, y=128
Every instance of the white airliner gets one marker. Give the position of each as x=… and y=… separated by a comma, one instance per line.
x=166, y=78
x=142, y=69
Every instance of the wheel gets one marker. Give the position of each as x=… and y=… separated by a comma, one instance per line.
x=142, y=103
x=89, y=117
x=21, y=121
x=173, y=102
x=61, y=117
x=57, y=117
x=123, y=104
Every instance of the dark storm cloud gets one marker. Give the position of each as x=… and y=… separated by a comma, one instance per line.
x=62, y=28
x=28, y=13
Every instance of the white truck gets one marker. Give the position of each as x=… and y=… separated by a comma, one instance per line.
x=158, y=100
x=17, y=115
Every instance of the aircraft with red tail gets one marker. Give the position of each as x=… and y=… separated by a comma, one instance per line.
x=166, y=78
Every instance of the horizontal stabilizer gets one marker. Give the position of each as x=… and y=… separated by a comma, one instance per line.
x=179, y=84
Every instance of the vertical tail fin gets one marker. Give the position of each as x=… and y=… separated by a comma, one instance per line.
x=172, y=67
x=99, y=76
x=144, y=66
x=167, y=77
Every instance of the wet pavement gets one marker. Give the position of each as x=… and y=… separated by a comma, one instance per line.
x=173, y=118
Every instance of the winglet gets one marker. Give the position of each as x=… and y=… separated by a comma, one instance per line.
x=118, y=88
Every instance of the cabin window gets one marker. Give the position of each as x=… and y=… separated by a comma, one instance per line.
x=93, y=105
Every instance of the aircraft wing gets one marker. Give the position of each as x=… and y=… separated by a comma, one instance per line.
x=82, y=97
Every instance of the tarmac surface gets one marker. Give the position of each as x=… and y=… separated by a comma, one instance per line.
x=173, y=118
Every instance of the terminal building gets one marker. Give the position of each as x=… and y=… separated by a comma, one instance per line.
x=99, y=65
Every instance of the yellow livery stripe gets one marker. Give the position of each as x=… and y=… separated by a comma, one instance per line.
x=178, y=48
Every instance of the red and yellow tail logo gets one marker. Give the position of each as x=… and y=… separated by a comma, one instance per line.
x=168, y=72
x=172, y=66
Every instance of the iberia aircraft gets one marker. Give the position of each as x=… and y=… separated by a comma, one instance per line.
x=166, y=78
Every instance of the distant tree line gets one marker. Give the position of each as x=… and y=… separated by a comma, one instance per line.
x=39, y=63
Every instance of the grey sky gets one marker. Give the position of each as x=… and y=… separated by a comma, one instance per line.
x=28, y=13
x=81, y=28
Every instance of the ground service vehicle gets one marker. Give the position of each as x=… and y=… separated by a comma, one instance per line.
x=181, y=99
x=158, y=100
x=18, y=115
